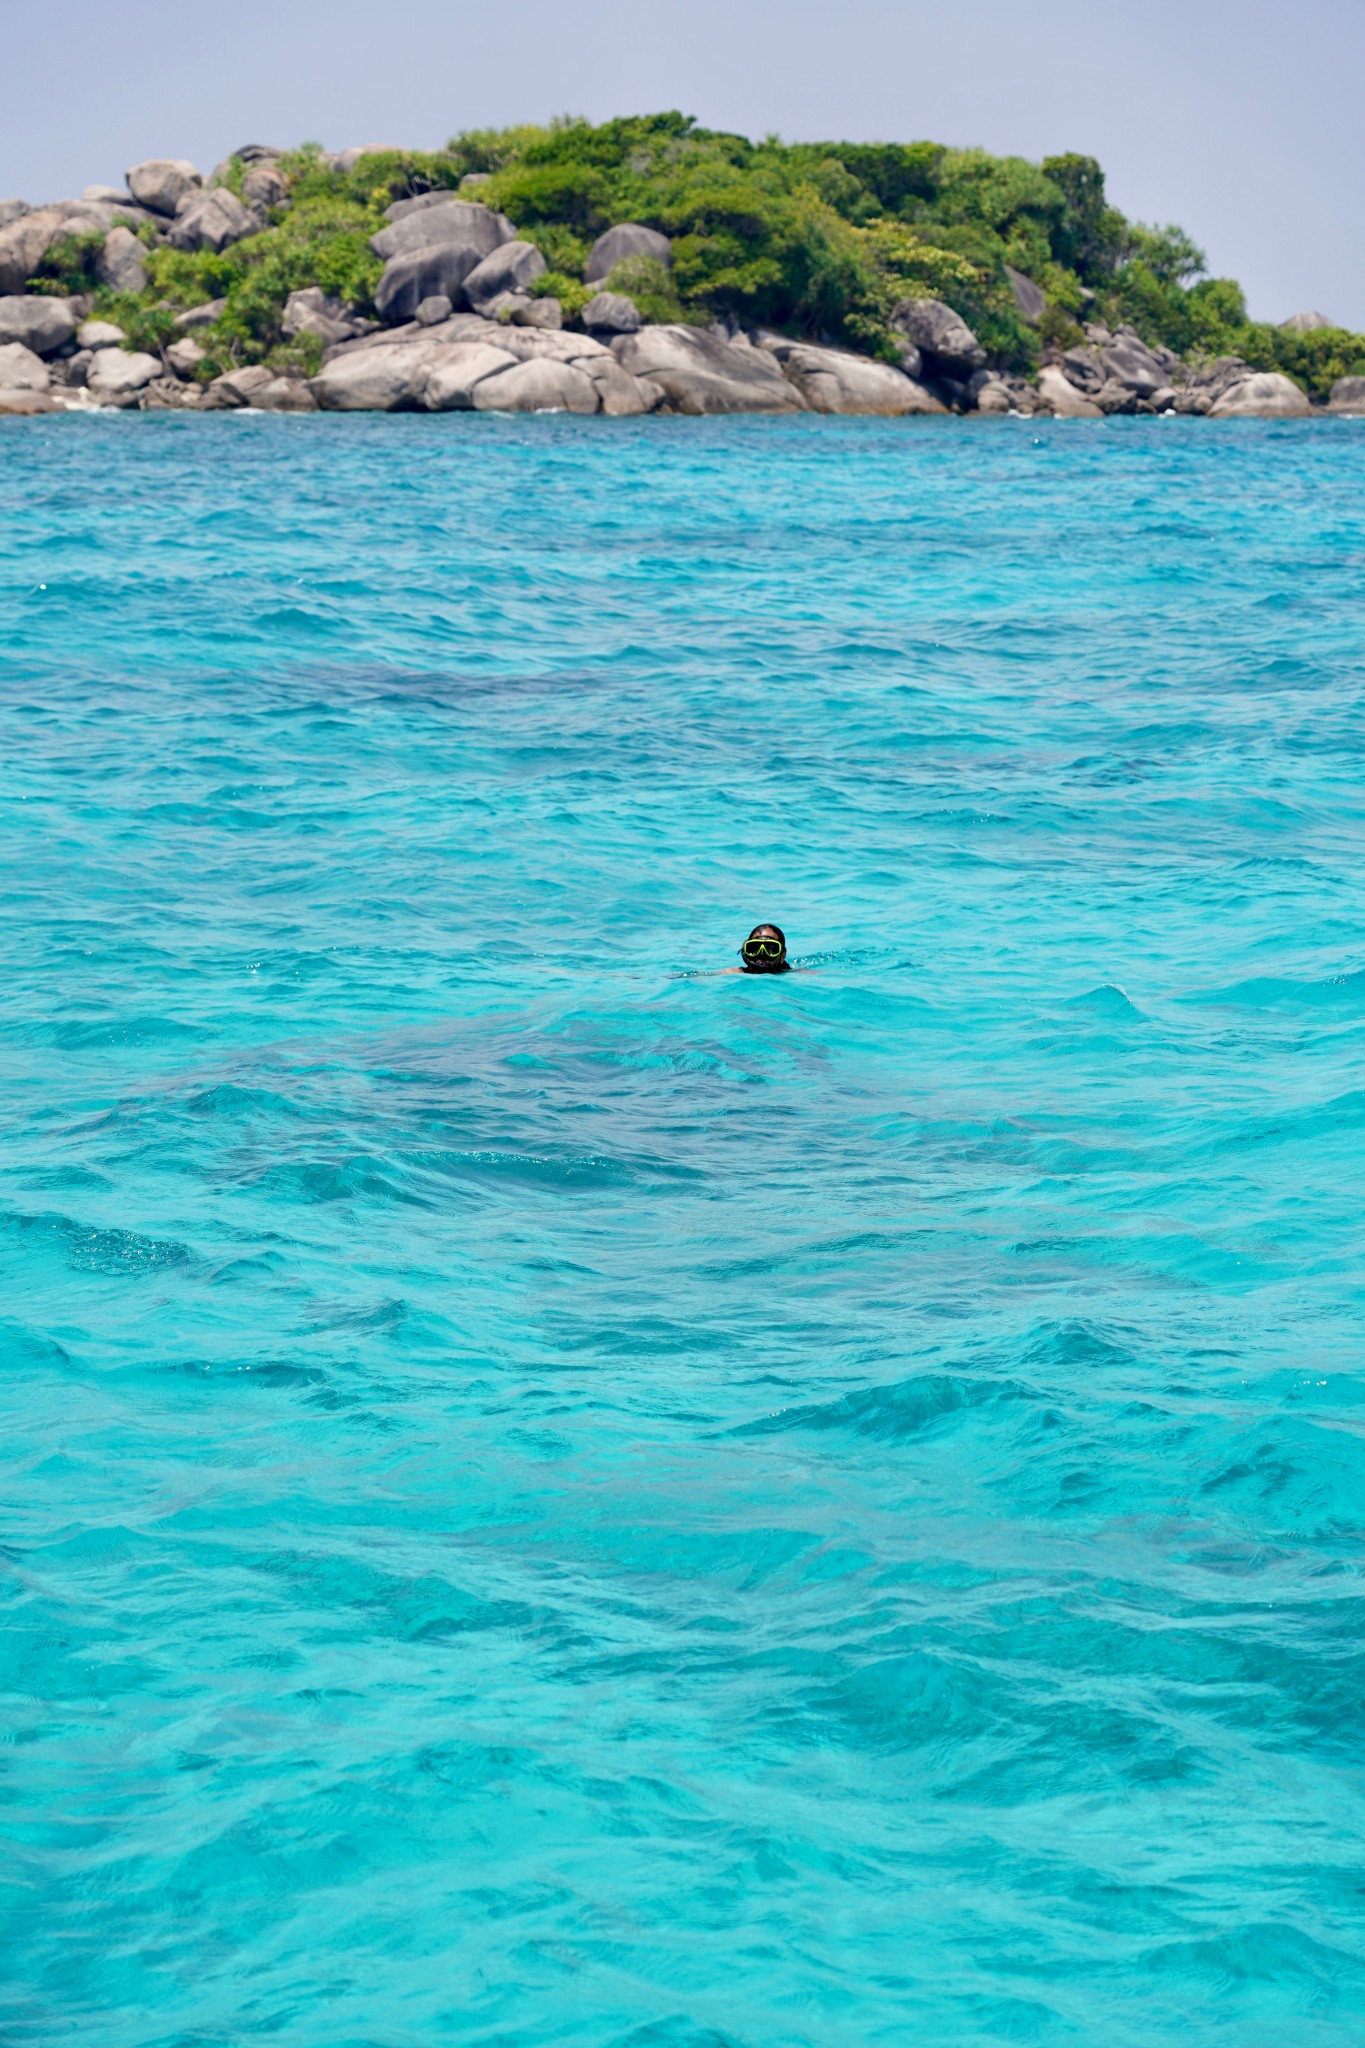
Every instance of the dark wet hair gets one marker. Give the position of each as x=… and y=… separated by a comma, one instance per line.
x=761, y=931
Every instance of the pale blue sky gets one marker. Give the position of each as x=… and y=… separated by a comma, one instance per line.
x=1243, y=124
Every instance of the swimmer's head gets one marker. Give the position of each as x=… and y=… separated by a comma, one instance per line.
x=764, y=951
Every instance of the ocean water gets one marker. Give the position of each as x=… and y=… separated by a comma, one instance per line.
x=554, y=1495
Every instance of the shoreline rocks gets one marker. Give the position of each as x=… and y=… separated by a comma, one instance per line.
x=460, y=326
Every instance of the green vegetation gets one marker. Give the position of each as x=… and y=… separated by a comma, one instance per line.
x=818, y=238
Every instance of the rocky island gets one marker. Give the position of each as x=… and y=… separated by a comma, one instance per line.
x=645, y=265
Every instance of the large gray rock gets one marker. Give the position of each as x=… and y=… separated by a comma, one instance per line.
x=619, y=395
x=833, y=380
x=437, y=271
x=162, y=182
x=1129, y=362
x=422, y=202
x=525, y=343
x=201, y=316
x=1060, y=396
x=461, y=366
x=185, y=355
x=1263, y=395
x=1029, y=297
x=21, y=370
x=24, y=243
x=512, y=267
x=93, y=334
x=116, y=378
x=459, y=222
x=12, y=210
x=699, y=373
x=42, y=324
x=211, y=220
x=311, y=311
x=628, y=239
x=263, y=186
x=1083, y=368
x=1208, y=384
x=611, y=313
x=106, y=195
x=122, y=263
x=537, y=386
x=992, y=395
x=1305, y=323
x=1348, y=395
x=237, y=388
x=940, y=334
x=380, y=377
x=284, y=394
x=547, y=312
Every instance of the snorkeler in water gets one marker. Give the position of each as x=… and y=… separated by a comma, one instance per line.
x=765, y=951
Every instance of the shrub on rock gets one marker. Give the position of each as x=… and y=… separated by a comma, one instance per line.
x=620, y=243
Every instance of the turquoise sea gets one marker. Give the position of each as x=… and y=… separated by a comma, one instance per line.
x=554, y=1496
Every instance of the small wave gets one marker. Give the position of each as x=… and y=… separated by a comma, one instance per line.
x=1343, y=993
x=898, y=1412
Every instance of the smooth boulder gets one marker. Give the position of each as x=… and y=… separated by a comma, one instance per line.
x=42, y=324
x=512, y=267
x=699, y=373
x=93, y=334
x=162, y=182
x=284, y=394
x=1029, y=297
x=435, y=272
x=1348, y=395
x=452, y=379
x=21, y=369
x=25, y=242
x=185, y=355
x=311, y=311
x=1305, y=323
x=201, y=316
x=1129, y=362
x=377, y=378
x=1060, y=396
x=611, y=313
x=264, y=186
x=237, y=388
x=940, y=334
x=211, y=220
x=1264, y=395
x=122, y=263
x=12, y=210
x=460, y=222
x=116, y=377
x=621, y=242
x=539, y=385
x=834, y=380
x=619, y=395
